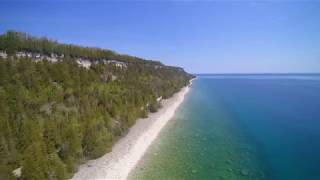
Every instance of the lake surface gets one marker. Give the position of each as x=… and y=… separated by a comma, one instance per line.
x=241, y=127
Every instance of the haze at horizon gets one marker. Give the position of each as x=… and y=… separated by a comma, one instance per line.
x=202, y=37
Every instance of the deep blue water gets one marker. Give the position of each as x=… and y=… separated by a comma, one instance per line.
x=242, y=127
x=281, y=115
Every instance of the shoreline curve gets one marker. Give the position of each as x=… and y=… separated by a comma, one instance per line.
x=128, y=150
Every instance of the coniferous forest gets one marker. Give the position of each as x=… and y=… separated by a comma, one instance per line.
x=56, y=115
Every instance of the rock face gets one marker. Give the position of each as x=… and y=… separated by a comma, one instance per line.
x=3, y=54
x=17, y=172
x=86, y=63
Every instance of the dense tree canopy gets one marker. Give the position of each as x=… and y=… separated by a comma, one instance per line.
x=53, y=116
x=13, y=41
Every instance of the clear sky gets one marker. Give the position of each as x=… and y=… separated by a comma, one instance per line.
x=202, y=37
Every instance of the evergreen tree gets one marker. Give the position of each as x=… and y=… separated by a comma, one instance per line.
x=55, y=115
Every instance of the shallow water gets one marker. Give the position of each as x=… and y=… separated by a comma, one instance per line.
x=241, y=127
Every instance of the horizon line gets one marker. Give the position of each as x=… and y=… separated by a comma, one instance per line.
x=285, y=73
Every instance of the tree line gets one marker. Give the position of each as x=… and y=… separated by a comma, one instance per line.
x=55, y=116
x=13, y=41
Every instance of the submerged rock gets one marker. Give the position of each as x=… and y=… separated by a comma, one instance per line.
x=244, y=172
x=212, y=165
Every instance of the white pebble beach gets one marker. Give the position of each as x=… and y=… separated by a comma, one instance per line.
x=127, y=152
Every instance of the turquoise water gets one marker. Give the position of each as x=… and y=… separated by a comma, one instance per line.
x=241, y=127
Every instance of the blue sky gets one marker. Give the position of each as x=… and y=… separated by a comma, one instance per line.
x=202, y=37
